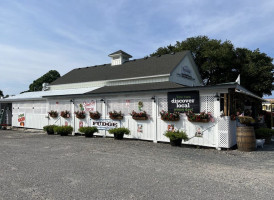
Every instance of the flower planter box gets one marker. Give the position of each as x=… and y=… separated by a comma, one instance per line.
x=95, y=117
x=140, y=118
x=117, y=118
x=201, y=121
x=65, y=116
x=176, y=119
x=176, y=142
x=80, y=116
x=53, y=115
x=118, y=136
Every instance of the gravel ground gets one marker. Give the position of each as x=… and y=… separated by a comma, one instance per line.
x=34, y=165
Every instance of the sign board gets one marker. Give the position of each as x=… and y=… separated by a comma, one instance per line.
x=105, y=124
x=22, y=119
x=184, y=101
x=90, y=106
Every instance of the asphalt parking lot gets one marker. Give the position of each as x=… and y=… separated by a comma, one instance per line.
x=34, y=165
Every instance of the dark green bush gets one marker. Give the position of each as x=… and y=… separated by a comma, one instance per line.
x=49, y=129
x=88, y=131
x=119, y=131
x=262, y=133
x=63, y=130
x=176, y=135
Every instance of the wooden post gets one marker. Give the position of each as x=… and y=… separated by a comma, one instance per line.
x=228, y=106
x=225, y=104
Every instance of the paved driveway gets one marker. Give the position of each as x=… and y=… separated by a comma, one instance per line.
x=38, y=166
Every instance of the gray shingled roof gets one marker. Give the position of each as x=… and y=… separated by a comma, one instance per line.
x=136, y=87
x=150, y=66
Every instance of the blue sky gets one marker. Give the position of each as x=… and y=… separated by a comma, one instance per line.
x=38, y=36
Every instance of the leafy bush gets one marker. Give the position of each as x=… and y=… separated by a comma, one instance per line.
x=119, y=131
x=49, y=129
x=263, y=133
x=88, y=131
x=174, y=135
x=63, y=130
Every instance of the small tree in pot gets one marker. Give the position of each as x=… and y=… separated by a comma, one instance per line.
x=119, y=132
x=176, y=137
x=88, y=131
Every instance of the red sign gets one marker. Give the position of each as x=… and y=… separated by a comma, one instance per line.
x=21, y=117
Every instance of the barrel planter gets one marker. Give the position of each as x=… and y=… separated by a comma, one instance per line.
x=246, y=138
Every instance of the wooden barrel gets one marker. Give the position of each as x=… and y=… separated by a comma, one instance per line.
x=246, y=138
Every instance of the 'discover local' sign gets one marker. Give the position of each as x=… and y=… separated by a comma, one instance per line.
x=105, y=124
x=184, y=101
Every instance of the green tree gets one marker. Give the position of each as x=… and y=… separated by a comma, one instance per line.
x=220, y=62
x=49, y=77
x=1, y=93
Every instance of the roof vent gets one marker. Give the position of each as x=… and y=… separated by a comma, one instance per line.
x=119, y=57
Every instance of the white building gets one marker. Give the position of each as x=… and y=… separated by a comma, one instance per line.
x=122, y=85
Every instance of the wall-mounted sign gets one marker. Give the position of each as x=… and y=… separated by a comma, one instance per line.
x=184, y=101
x=139, y=128
x=80, y=124
x=22, y=119
x=186, y=72
x=105, y=124
x=89, y=106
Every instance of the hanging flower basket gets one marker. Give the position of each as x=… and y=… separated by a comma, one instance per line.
x=202, y=117
x=139, y=116
x=80, y=114
x=94, y=115
x=167, y=116
x=53, y=114
x=65, y=114
x=116, y=115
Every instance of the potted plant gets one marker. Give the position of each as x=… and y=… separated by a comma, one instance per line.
x=80, y=114
x=139, y=116
x=116, y=115
x=63, y=130
x=201, y=117
x=49, y=129
x=53, y=113
x=264, y=133
x=246, y=120
x=88, y=131
x=167, y=116
x=65, y=114
x=176, y=137
x=119, y=132
x=94, y=115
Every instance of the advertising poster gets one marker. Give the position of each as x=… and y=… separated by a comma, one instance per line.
x=80, y=124
x=89, y=106
x=139, y=128
x=184, y=101
x=22, y=119
x=170, y=127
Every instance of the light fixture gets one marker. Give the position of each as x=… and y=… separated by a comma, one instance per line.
x=153, y=98
x=102, y=100
x=217, y=97
x=72, y=101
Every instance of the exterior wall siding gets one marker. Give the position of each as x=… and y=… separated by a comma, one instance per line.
x=220, y=133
